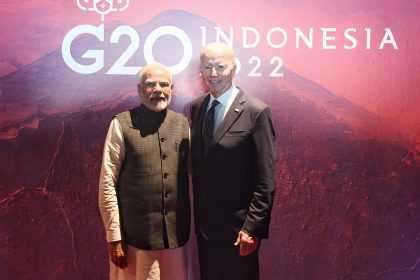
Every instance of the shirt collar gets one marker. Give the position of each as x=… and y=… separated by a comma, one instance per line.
x=224, y=97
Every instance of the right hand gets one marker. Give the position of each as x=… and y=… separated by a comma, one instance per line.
x=247, y=244
x=117, y=254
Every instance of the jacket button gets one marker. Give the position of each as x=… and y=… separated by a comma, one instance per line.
x=162, y=139
x=164, y=157
x=165, y=175
x=166, y=212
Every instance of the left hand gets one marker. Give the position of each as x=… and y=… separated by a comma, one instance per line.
x=247, y=244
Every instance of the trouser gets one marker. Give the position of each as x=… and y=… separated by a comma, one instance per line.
x=223, y=262
x=166, y=264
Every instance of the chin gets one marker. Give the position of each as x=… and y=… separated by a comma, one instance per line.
x=160, y=106
x=211, y=89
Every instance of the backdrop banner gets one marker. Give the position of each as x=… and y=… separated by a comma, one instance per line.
x=341, y=77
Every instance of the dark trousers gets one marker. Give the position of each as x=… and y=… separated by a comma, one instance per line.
x=223, y=262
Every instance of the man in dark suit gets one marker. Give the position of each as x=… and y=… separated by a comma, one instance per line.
x=233, y=162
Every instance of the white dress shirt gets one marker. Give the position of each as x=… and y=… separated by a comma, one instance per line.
x=225, y=100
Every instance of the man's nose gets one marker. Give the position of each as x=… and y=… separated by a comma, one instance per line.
x=213, y=71
x=158, y=87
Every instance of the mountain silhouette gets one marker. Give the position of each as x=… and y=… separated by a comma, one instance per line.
x=346, y=204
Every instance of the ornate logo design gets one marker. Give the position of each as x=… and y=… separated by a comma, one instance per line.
x=103, y=7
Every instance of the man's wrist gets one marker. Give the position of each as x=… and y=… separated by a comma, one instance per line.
x=250, y=234
x=115, y=245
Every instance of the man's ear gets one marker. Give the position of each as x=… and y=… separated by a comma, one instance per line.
x=233, y=70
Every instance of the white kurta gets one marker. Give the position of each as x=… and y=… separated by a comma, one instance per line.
x=167, y=264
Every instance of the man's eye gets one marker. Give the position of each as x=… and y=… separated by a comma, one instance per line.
x=150, y=84
x=164, y=84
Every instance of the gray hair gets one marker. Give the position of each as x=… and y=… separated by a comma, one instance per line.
x=150, y=66
x=221, y=47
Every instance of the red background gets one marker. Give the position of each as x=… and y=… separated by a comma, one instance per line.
x=347, y=125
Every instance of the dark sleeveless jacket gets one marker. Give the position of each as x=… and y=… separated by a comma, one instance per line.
x=153, y=192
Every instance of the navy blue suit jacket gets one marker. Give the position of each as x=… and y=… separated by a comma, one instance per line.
x=234, y=186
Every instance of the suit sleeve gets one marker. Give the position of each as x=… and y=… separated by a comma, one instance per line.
x=259, y=214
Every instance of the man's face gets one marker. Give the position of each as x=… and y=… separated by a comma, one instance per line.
x=217, y=71
x=156, y=89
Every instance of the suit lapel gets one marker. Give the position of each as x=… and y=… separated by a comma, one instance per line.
x=232, y=115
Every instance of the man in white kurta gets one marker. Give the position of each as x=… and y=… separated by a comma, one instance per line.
x=143, y=186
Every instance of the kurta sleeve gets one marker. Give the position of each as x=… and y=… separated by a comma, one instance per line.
x=113, y=157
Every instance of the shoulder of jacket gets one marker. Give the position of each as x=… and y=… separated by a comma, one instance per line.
x=197, y=101
x=254, y=103
x=177, y=116
x=122, y=115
